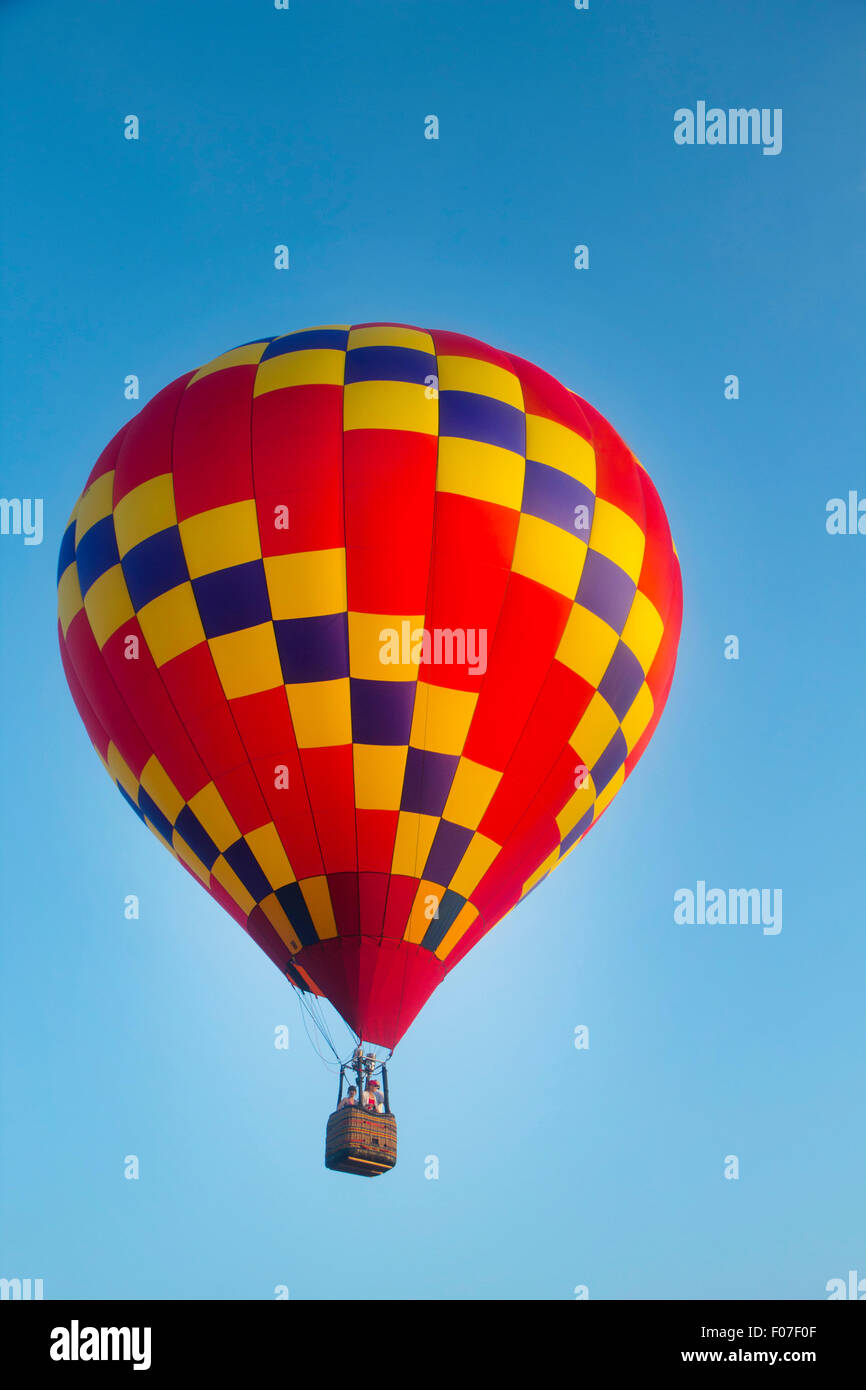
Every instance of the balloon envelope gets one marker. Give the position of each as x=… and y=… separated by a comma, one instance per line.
x=368, y=625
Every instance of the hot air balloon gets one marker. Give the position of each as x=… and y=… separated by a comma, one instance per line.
x=369, y=624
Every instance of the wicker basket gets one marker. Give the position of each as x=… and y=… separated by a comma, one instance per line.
x=360, y=1141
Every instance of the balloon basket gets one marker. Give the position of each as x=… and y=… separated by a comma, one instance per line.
x=360, y=1141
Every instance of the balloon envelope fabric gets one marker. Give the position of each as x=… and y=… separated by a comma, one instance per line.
x=369, y=625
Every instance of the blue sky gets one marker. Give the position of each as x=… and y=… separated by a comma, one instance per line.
x=557, y=1167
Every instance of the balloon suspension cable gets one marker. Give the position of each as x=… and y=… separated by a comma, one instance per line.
x=312, y=1010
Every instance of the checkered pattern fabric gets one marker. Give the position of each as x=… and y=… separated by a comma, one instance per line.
x=369, y=625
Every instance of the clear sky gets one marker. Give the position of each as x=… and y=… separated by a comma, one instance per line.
x=557, y=1167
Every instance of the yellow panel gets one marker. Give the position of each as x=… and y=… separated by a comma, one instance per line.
x=108, y=604
x=171, y=623
x=279, y=921
x=549, y=555
x=379, y=771
x=94, y=505
x=222, y=537
x=458, y=929
x=441, y=718
x=610, y=791
x=615, y=535
x=121, y=773
x=559, y=447
x=587, y=644
x=144, y=512
x=643, y=630
x=307, y=367
x=480, y=854
x=376, y=638
x=575, y=807
x=484, y=378
x=69, y=600
x=245, y=356
x=415, y=834
x=310, y=584
x=391, y=335
x=225, y=874
x=247, y=661
x=389, y=405
x=321, y=713
x=427, y=901
x=159, y=786
x=183, y=851
x=267, y=847
x=208, y=806
x=595, y=730
x=318, y=900
x=483, y=471
x=638, y=717
x=72, y=515
x=470, y=793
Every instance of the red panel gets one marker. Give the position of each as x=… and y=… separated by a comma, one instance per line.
x=215, y=739
x=423, y=973
x=378, y=988
x=195, y=691
x=98, y=737
x=475, y=531
x=661, y=673
x=242, y=795
x=108, y=458
x=390, y=487
x=219, y=894
x=377, y=831
x=102, y=694
x=145, y=696
x=545, y=396
x=289, y=809
x=532, y=622
x=330, y=782
x=558, y=787
x=343, y=889
x=659, y=569
x=146, y=451
x=191, y=680
x=265, y=723
x=297, y=437
x=616, y=471
x=401, y=895
x=263, y=934
x=212, y=465
x=459, y=345
x=563, y=699
x=298, y=837
x=265, y=726
x=534, y=839
x=373, y=897
x=381, y=978
x=474, y=547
